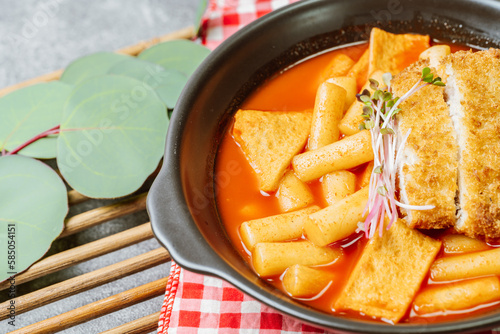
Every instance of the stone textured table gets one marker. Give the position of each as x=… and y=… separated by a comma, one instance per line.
x=40, y=36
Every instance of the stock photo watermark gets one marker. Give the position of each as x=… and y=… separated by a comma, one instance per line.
x=11, y=267
x=33, y=24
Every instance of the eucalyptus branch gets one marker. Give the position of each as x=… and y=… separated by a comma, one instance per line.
x=52, y=131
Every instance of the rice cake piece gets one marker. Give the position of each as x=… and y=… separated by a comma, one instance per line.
x=389, y=273
x=269, y=140
x=472, y=91
x=394, y=52
x=427, y=171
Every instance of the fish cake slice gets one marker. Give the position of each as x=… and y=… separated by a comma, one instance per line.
x=389, y=273
x=270, y=139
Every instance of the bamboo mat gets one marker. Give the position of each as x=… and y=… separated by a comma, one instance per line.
x=62, y=257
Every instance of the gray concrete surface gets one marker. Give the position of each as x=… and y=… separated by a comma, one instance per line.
x=40, y=36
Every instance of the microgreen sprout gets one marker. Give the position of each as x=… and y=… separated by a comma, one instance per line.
x=379, y=111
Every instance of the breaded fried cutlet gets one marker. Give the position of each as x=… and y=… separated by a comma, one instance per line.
x=427, y=171
x=473, y=94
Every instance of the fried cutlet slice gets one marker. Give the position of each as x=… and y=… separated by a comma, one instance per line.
x=389, y=273
x=270, y=139
x=427, y=171
x=472, y=90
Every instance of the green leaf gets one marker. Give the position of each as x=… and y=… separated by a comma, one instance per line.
x=365, y=99
x=27, y=112
x=438, y=83
x=382, y=190
x=34, y=200
x=168, y=84
x=387, y=77
x=369, y=125
x=367, y=110
x=112, y=136
x=387, y=131
x=428, y=78
x=425, y=72
x=90, y=66
x=378, y=169
x=373, y=84
x=387, y=96
x=181, y=55
x=202, y=7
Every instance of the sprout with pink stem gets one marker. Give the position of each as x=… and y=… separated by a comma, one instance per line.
x=379, y=113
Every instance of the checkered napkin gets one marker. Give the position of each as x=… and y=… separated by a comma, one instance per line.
x=198, y=304
x=224, y=17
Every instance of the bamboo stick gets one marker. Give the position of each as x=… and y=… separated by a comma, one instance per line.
x=97, y=309
x=83, y=253
x=85, y=282
x=103, y=214
x=132, y=50
x=74, y=197
x=145, y=324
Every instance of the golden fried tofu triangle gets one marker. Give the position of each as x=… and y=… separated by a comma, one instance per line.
x=394, y=52
x=389, y=273
x=269, y=140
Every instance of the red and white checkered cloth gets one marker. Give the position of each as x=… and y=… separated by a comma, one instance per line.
x=224, y=17
x=198, y=304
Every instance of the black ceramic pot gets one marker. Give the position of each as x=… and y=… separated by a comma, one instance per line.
x=181, y=202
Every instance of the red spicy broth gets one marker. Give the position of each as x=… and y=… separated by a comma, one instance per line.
x=239, y=199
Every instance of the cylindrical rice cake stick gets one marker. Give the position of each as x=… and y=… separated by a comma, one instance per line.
x=328, y=111
x=347, y=153
x=458, y=296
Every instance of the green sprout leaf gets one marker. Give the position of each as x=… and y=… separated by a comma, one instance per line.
x=387, y=131
x=373, y=84
x=387, y=77
x=365, y=99
x=378, y=169
x=181, y=55
x=369, y=125
x=90, y=66
x=168, y=84
x=33, y=203
x=438, y=83
x=112, y=136
x=425, y=72
x=387, y=96
x=29, y=111
x=382, y=190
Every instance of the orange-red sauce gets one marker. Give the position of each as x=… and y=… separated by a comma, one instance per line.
x=239, y=198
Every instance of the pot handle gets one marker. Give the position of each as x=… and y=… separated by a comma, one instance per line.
x=176, y=230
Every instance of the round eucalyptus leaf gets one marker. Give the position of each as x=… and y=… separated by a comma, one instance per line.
x=33, y=205
x=27, y=112
x=181, y=55
x=112, y=136
x=168, y=84
x=202, y=7
x=90, y=66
